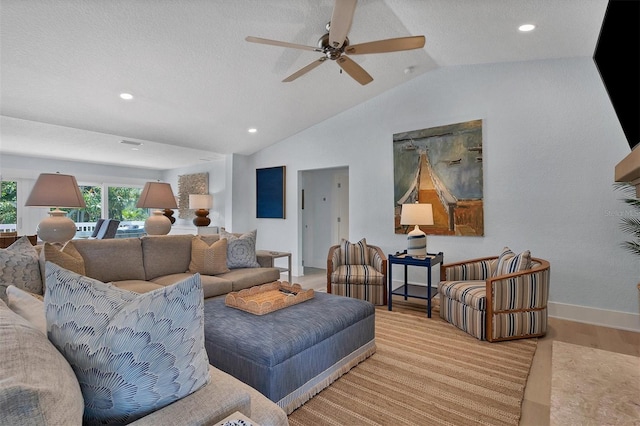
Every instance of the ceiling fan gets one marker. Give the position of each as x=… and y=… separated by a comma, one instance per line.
x=335, y=45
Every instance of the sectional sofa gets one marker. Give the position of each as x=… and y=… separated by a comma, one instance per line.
x=38, y=385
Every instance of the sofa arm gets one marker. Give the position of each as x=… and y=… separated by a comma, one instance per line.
x=207, y=406
x=378, y=260
x=265, y=261
x=467, y=270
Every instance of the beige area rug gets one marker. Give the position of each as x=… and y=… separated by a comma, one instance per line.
x=426, y=372
x=593, y=387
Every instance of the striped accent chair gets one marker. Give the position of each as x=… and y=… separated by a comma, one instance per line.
x=357, y=270
x=496, y=304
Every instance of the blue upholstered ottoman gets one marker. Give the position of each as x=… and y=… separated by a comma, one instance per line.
x=291, y=354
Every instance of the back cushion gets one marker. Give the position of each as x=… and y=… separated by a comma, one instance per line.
x=166, y=254
x=508, y=262
x=354, y=253
x=116, y=259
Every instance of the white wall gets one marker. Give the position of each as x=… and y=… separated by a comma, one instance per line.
x=551, y=141
x=217, y=187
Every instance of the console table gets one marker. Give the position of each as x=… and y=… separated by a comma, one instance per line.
x=411, y=290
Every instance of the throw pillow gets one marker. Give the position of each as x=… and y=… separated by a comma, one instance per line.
x=19, y=266
x=66, y=256
x=241, y=251
x=28, y=306
x=38, y=386
x=508, y=262
x=208, y=259
x=132, y=353
x=354, y=253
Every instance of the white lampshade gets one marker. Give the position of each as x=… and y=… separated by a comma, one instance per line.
x=56, y=190
x=201, y=203
x=157, y=195
x=416, y=214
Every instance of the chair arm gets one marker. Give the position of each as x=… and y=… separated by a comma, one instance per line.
x=524, y=290
x=467, y=270
x=333, y=261
x=377, y=259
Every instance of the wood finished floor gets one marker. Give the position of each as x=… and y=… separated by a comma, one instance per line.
x=537, y=397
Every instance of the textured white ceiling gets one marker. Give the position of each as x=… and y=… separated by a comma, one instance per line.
x=199, y=86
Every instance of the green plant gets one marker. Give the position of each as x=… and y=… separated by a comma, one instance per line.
x=630, y=221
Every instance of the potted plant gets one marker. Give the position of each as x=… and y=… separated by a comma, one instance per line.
x=630, y=221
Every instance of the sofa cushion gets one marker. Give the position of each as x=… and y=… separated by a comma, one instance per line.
x=132, y=353
x=137, y=286
x=354, y=253
x=249, y=277
x=113, y=259
x=19, y=266
x=208, y=259
x=212, y=285
x=28, y=306
x=66, y=256
x=37, y=387
x=241, y=251
x=165, y=254
x=508, y=262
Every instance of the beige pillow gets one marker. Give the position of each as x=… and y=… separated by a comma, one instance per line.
x=29, y=306
x=208, y=259
x=67, y=257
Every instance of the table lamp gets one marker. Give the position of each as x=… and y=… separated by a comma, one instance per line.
x=201, y=203
x=56, y=190
x=416, y=214
x=159, y=196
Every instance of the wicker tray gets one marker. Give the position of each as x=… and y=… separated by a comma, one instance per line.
x=260, y=300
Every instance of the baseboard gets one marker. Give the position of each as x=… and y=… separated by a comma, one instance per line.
x=601, y=317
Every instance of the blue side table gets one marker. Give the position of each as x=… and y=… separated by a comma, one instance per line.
x=412, y=290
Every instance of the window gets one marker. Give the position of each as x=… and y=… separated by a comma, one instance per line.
x=8, y=206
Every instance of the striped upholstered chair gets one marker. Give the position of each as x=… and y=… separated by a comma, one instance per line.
x=496, y=298
x=357, y=270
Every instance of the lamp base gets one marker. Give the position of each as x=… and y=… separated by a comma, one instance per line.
x=417, y=242
x=201, y=218
x=57, y=228
x=157, y=224
x=169, y=214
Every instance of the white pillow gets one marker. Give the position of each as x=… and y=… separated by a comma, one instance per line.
x=132, y=353
x=28, y=307
x=19, y=265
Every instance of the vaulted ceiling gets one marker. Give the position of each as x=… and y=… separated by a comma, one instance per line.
x=198, y=86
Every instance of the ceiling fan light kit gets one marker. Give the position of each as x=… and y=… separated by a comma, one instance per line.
x=334, y=45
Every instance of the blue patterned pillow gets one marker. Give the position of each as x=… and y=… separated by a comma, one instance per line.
x=241, y=251
x=132, y=353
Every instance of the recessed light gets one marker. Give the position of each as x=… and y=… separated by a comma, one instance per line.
x=252, y=130
x=526, y=27
x=126, y=96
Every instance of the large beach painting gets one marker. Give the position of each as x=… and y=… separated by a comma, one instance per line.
x=441, y=166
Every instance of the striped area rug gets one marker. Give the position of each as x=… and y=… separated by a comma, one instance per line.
x=426, y=372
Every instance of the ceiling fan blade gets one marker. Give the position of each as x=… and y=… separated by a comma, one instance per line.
x=281, y=43
x=354, y=70
x=388, y=45
x=341, y=18
x=305, y=70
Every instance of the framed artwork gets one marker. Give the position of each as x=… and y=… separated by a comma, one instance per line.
x=441, y=166
x=197, y=183
x=270, y=192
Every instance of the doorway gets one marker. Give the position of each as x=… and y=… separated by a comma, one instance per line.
x=324, y=214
